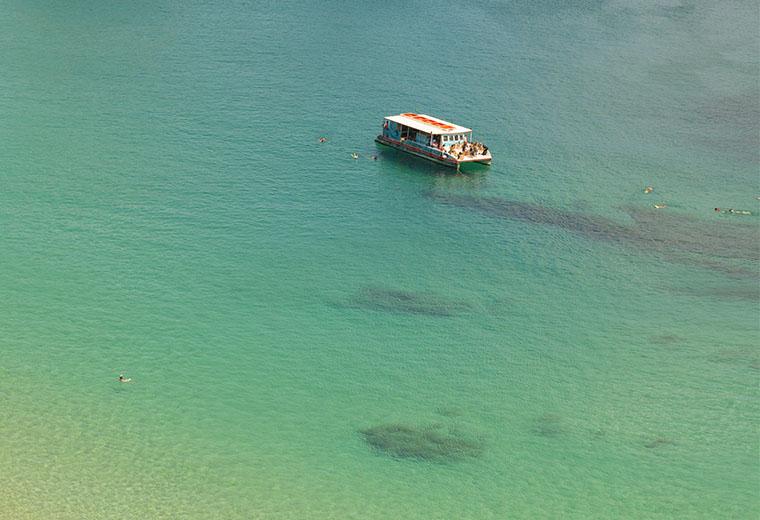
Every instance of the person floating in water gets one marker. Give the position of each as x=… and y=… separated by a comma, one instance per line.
x=648, y=189
x=123, y=379
x=733, y=211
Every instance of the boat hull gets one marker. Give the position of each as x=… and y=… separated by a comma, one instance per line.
x=429, y=155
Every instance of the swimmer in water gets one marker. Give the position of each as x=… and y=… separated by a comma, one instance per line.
x=323, y=139
x=648, y=189
x=354, y=155
x=660, y=206
x=123, y=379
x=733, y=211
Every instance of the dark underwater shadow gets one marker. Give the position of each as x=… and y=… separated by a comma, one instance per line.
x=548, y=425
x=406, y=302
x=746, y=293
x=652, y=443
x=739, y=356
x=720, y=246
x=666, y=339
x=433, y=443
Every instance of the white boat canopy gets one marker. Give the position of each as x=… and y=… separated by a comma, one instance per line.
x=428, y=124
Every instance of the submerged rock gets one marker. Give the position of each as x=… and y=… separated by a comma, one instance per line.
x=424, y=443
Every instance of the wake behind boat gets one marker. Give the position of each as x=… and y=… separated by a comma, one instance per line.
x=433, y=139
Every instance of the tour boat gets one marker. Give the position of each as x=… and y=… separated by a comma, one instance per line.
x=433, y=139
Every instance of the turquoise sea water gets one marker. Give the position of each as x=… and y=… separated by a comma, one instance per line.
x=166, y=211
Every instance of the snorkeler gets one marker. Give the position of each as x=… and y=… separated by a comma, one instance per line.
x=733, y=211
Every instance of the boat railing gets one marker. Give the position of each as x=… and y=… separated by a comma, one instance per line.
x=458, y=150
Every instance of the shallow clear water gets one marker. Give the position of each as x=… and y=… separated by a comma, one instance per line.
x=167, y=212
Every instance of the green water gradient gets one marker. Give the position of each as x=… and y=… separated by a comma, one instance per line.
x=167, y=211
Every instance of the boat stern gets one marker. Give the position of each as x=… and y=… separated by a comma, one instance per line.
x=483, y=158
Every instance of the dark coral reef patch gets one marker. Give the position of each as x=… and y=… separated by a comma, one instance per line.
x=548, y=425
x=658, y=442
x=727, y=248
x=427, y=443
x=407, y=302
x=666, y=339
